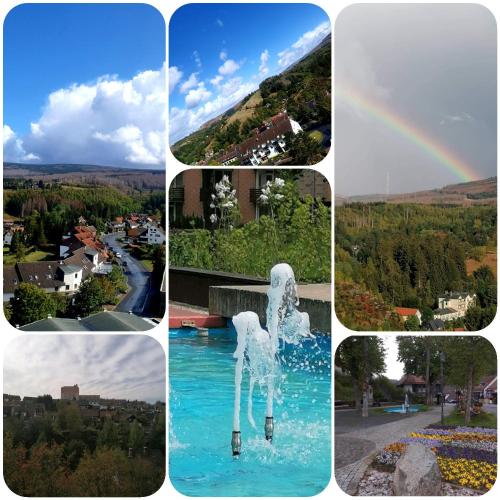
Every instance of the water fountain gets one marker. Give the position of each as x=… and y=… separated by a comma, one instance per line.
x=406, y=404
x=257, y=349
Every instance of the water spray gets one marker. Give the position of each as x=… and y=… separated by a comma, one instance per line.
x=257, y=350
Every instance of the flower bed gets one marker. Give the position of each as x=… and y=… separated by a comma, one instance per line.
x=467, y=456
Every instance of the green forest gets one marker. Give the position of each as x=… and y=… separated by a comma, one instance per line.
x=304, y=90
x=48, y=213
x=389, y=255
x=64, y=454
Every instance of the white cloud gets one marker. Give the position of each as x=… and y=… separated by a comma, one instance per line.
x=108, y=122
x=190, y=83
x=174, y=77
x=303, y=45
x=219, y=23
x=184, y=121
x=197, y=59
x=114, y=366
x=13, y=148
x=195, y=96
x=216, y=80
x=223, y=55
x=264, y=59
x=229, y=67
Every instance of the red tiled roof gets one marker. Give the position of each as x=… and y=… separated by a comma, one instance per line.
x=406, y=311
x=410, y=379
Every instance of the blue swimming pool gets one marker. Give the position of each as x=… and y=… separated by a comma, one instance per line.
x=298, y=462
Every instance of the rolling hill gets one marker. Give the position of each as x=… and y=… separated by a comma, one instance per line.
x=482, y=192
x=303, y=89
x=78, y=174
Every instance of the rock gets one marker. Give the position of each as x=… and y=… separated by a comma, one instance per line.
x=417, y=473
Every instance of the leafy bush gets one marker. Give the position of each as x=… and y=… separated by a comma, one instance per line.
x=299, y=235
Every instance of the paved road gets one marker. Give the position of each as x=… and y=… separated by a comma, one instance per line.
x=138, y=279
x=490, y=408
x=353, y=449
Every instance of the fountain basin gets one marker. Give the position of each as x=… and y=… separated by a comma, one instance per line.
x=298, y=461
x=399, y=409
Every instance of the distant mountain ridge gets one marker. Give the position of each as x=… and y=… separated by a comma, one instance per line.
x=68, y=173
x=482, y=192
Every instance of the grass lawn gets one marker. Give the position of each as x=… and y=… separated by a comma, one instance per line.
x=32, y=256
x=148, y=264
x=482, y=420
x=317, y=136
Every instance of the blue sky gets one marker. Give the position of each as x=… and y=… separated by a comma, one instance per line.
x=54, y=47
x=113, y=366
x=218, y=53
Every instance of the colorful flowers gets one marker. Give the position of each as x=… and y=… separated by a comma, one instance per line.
x=466, y=456
x=468, y=473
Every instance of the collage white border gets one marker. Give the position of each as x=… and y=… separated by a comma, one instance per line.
x=174, y=167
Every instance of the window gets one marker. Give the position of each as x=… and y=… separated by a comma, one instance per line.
x=76, y=275
x=67, y=287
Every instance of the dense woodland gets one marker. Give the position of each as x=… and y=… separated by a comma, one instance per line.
x=304, y=90
x=407, y=255
x=63, y=454
x=48, y=213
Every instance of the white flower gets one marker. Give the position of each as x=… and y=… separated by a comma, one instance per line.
x=279, y=182
x=213, y=196
x=279, y=196
x=212, y=205
x=213, y=218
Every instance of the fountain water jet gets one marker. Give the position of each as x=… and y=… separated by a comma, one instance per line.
x=257, y=349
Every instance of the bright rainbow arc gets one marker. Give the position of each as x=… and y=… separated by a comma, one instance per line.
x=409, y=131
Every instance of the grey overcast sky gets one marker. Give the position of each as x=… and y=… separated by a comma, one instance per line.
x=114, y=366
x=432, y=65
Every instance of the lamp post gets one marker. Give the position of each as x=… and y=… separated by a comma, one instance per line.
x=442, y=359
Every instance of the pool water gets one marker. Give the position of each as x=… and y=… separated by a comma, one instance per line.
x=297, y=463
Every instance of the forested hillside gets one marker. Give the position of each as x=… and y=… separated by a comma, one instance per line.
x=303, y=90
x=407, y=255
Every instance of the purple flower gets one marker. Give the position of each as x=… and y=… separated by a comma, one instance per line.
x=456, y=452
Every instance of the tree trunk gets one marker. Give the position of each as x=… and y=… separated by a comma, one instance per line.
x=468, y=400
x=428, y=395
x=366, y=393
x=357, y=394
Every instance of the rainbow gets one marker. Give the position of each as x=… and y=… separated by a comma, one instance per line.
x=404, y=128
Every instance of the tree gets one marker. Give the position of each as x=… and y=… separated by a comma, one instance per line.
x=469, y=358
x=412, y=324
x=361, y=358
x=159, y=262
x=304, y=150
x=136, y=436
x=420, y=356
x=30, y=304
x=90, y=297
x=109, y=436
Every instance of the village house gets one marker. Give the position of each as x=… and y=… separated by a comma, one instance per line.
x=412, y=384
x=190, y=191
x=446, y=314
x=486, y=390
x=407, y=312
x=455, y=301
x=265, y=143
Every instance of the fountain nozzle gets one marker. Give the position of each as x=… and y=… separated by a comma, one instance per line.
x=269, y=428
x=236, y=443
